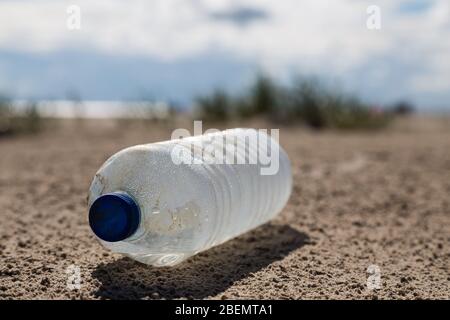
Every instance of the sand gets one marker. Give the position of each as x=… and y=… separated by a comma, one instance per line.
x=359, y=199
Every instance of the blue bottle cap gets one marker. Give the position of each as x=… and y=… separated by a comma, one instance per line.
x=114, y=216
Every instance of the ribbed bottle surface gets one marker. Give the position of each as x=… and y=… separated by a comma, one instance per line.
x=197, y=192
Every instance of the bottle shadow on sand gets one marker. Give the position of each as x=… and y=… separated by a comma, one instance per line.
x=206, y=274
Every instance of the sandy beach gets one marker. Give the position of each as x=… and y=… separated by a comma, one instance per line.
x=359, y=199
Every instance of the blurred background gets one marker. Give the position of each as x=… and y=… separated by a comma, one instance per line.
x=321, y=63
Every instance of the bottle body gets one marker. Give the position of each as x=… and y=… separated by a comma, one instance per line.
x=191, y=199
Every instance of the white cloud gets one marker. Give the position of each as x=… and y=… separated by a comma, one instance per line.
x=305, y=35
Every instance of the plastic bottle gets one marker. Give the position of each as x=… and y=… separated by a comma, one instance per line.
x=161, y=203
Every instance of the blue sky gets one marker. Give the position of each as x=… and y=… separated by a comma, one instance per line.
x=177, y=49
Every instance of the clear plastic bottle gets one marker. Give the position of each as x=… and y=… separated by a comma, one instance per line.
x=161, y=203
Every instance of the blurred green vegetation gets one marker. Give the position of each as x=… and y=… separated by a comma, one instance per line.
x=217, y=106
x=13, y=121
x=306, y=101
